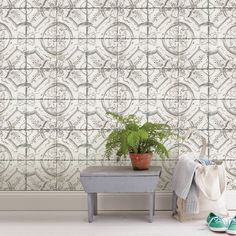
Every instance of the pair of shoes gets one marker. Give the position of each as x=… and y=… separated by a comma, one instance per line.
x=218, y=224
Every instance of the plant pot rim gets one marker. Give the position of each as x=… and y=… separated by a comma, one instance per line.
x=140, y=153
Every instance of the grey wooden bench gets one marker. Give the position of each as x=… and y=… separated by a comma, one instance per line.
x=101, y=179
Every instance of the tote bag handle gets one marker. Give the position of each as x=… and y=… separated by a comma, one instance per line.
x=204, y=142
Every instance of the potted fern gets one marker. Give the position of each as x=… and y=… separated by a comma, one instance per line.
x=138, y=140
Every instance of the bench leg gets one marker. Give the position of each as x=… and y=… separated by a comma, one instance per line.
x=174, y=202
x=95, y=202
x=154, y=203
x=151, y=203
x=90, y=207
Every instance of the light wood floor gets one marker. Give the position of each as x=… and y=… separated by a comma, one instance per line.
x=74, y=223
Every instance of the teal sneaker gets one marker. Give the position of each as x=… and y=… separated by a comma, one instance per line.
x=210, y=216
x=232, y=226
x=216, y=223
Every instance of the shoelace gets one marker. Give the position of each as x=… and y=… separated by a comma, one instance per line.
x=233, y=221
x=216, y=219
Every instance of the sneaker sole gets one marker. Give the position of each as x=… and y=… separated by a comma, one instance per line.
x=218, y=229
x=232, y=232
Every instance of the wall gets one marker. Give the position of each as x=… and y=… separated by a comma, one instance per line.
x=64, y=64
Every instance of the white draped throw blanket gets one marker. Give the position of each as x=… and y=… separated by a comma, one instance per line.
x=183, y=181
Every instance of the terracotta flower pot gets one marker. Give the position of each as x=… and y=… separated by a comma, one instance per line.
x=140, y=161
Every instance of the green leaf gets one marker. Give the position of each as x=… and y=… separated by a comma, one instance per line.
x=162, y=151
x=133, y=139
x=143, y=134
x=124, y=144
x=133, y=127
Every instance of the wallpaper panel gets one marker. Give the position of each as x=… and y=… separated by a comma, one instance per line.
x=64, y=64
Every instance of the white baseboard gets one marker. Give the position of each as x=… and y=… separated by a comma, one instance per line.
x=78, y=201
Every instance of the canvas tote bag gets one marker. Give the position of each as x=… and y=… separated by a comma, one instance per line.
x=211, y=185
